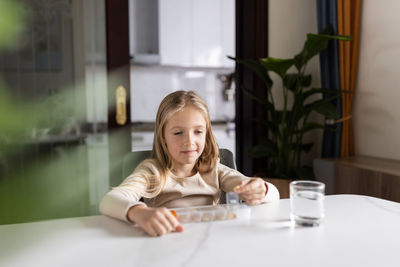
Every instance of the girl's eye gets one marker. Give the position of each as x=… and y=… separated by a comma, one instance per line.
x=198, y=132
x=177, y=133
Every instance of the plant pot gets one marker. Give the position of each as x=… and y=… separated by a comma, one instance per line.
x=282, y=185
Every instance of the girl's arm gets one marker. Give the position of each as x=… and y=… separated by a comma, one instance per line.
x=154, y=221
x=120, y=199
x=123, y=202
x=256, y=191
x=253, y=190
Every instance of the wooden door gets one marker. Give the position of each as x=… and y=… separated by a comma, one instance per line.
x=118, y=68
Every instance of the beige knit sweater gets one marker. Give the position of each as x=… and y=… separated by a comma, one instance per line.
x=197, y=190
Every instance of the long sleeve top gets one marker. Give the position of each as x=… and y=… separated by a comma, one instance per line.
x=196, y=190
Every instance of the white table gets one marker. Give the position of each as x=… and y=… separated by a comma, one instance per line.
x=357, y=231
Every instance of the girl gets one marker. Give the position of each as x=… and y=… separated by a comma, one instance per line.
x=184, y=170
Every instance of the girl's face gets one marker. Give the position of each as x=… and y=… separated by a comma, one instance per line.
x=185, y=136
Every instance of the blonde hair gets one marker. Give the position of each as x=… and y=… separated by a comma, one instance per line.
x=207, y=161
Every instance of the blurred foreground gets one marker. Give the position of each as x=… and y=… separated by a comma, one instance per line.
x=55, y=158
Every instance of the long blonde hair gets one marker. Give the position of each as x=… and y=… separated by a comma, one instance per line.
x=172, y=103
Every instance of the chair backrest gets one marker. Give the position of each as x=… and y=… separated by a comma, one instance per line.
x=132, y=159
x=226, y=157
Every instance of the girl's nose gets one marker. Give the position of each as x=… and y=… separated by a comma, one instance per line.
x=188, y=139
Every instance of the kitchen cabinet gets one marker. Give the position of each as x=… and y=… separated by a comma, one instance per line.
x=143, y=31
x=196, y=33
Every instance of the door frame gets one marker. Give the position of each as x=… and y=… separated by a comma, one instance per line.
x=118, y=70
x=251, y=43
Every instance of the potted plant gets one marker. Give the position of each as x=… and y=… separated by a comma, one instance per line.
x=283, y=146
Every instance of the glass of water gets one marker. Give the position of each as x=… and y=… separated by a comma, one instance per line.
x=307, y=202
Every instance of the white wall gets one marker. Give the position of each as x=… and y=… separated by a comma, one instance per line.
x=376, y=107
x=289, y=22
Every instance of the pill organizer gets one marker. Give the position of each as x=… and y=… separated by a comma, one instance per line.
x=232, y=210
x=212, y=213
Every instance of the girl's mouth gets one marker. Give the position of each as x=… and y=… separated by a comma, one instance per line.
x=189, y=152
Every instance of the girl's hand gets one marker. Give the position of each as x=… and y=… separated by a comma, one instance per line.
x=154, y=221
x=252, y=191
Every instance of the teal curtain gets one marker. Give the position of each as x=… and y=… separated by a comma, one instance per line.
x=329, y=63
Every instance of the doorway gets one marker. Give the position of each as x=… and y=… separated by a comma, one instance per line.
x=182, y=45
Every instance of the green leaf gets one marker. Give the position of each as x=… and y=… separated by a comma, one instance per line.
x=269, y=124
x=302, y=147
x=265, y=141
x=257, y=68
x=261, y=100
x=278, y=117
x=298, y=111
x=311, y=126
x=344, y=38
x=277, y=65
x=265, y=148
x=294, y=81
x=331, y=92
x=323, y=107
x=315, y=43
x=314, y=91
x=260, y=151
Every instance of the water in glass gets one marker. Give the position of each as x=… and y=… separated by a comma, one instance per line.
x=307, y=203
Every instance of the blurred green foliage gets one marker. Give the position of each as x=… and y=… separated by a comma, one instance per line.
x=41, y=177
x=38, y=181
x=12, y=17
x=11, y=24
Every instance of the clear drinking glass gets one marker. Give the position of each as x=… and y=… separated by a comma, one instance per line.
x=307, y=202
